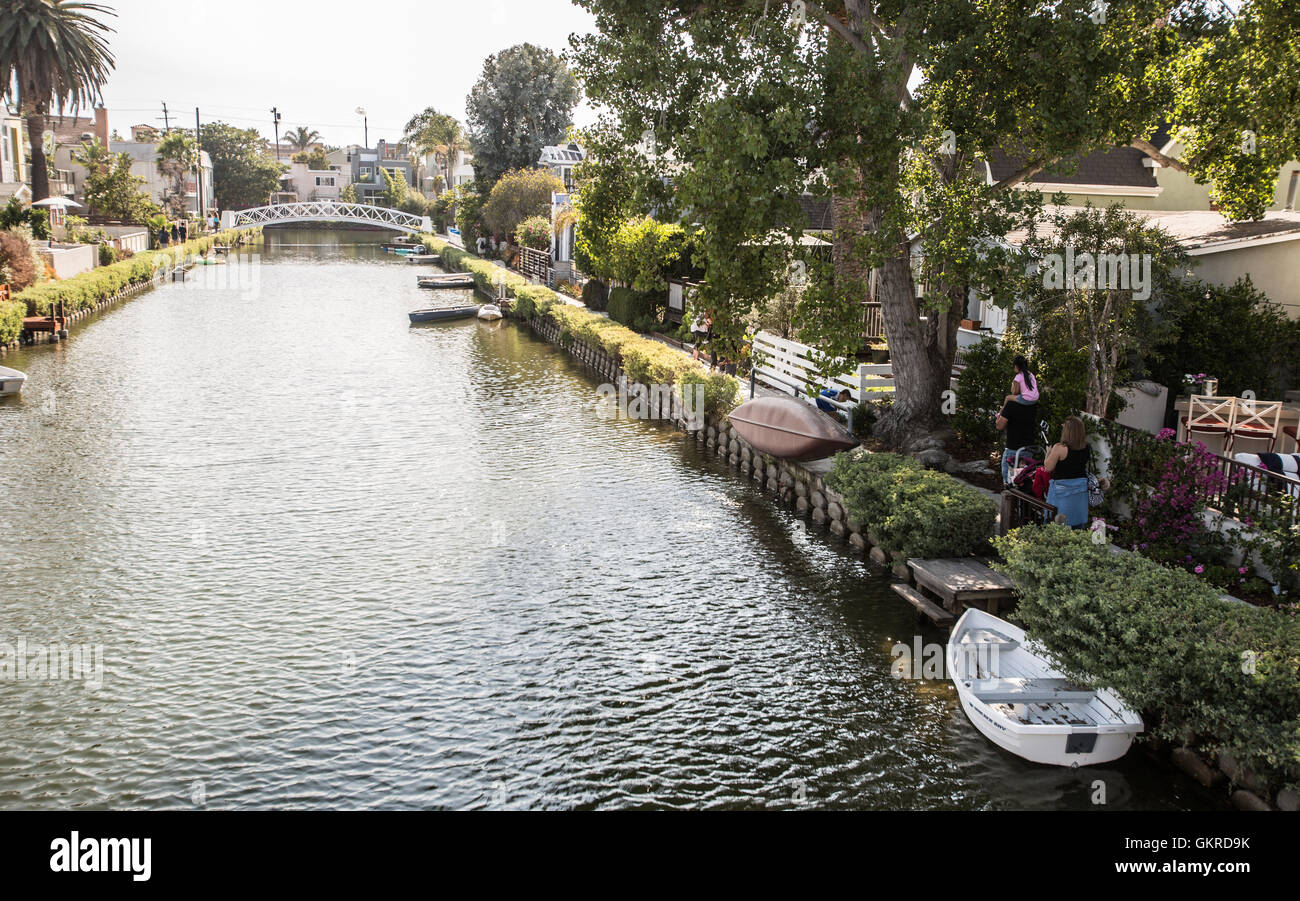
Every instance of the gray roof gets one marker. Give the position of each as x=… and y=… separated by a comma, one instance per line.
x=1120, y=167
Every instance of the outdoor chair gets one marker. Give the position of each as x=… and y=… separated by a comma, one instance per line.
x=1256, y=420
x=1290, y=432
x=1209, y=415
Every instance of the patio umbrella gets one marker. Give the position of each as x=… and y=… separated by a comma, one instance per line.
x=58, y=203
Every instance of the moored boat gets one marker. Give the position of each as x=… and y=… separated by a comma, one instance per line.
x=790, y=429
x=1023, y=704
x=11, y=380
x=489, y=312
x=421, y=257
x=442, y=314
x=446, y=280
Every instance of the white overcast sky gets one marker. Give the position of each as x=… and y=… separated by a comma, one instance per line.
x=316, y=60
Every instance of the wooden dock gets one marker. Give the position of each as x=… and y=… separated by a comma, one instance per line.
x=958, y=583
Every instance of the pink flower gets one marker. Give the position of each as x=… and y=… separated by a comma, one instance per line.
x=1199, y=569
x=1242, y=570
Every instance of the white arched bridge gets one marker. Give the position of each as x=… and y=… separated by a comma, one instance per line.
x=326, y=211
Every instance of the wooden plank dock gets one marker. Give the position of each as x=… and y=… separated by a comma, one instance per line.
x=961, y=582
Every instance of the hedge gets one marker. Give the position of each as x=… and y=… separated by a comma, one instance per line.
x=919, y=512
x=89, y=288
x=644, y=359
x=1222, y=676
x=632, y=308
x=11, y=320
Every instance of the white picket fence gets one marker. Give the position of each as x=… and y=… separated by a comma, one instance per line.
x=788, y=366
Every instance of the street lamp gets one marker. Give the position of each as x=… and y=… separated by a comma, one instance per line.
x=365, y=124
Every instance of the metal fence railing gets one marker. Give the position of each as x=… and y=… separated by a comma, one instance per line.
x=1244, y=492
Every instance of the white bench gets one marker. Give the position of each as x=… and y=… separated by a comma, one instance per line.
x=788, y=366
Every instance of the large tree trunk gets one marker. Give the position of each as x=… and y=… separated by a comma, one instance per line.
x=40, y=168
x=920, y=353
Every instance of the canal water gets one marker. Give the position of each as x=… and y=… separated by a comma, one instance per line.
x=332, y=560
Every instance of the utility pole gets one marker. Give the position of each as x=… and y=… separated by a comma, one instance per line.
x=198, y=159
x=167, y=123
x=276, y=122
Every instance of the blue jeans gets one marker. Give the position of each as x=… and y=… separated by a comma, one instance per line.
x=1020, y=399
x=1009, y=457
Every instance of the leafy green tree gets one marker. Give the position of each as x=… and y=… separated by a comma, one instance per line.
x=178, y=155
x=1093, y=293
x=52, y=50
x=517, y=196
x=111, y=190
x=316, y=159
x=348, y=194
x=890, y=108
x=242, y=174
x=396, y=190
x=522, y=101
x=642, y=252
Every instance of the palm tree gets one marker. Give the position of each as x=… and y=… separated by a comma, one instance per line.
x=438, y=133
x=300, y=138
x=53, y=51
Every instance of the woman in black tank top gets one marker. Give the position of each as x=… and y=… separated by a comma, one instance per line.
x=1068, y=464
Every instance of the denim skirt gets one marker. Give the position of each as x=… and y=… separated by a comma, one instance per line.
x=1070, y=497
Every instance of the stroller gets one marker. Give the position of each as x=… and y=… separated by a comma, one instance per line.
x=1028, y=460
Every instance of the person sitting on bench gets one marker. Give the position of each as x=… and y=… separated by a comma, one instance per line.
x=826, y=406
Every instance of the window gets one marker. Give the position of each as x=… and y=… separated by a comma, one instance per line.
x=1291, y=190
x=365, y=171
x=325, y=180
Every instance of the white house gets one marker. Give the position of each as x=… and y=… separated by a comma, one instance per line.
x=562, y=159
x=316, y=184
x=144, y=156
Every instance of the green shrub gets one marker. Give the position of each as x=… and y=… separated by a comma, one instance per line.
x=982, y=387
x=89, y=288
x=919, y=512
x=11, y=320
x=107, y=254
x=1209, y=672
x=595, y=295
x=635, y=309
x=534, y=232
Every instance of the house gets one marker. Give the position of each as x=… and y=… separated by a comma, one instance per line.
x=315, y=184
x=144, y=163
x=364, y=163
x=561, y=160
x=13, y=157
x=432, y=166
x=70, y=132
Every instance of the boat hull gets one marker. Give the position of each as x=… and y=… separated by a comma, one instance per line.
x=450, y=280
x=1068, y=732
x=790, y=429
x=11, y=381
x=489, y=312
x=443, y=315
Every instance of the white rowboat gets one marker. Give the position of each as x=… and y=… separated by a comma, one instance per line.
x=489, y=311
x=1025, y=705
x=11, y=380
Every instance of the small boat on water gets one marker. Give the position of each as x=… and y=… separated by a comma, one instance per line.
x=789, y=428
x=489, y=312
x=446, y=280
x=1022, y=703
x=421, y=258
x=11, y=381
x=443, y=314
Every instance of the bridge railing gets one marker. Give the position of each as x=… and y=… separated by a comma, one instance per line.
x=326, y=211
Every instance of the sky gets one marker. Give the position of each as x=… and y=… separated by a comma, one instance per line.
x=317, y=61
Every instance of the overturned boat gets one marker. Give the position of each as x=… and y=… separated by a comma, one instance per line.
x=790, y=429
x=446, y=280
x=489, y=312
